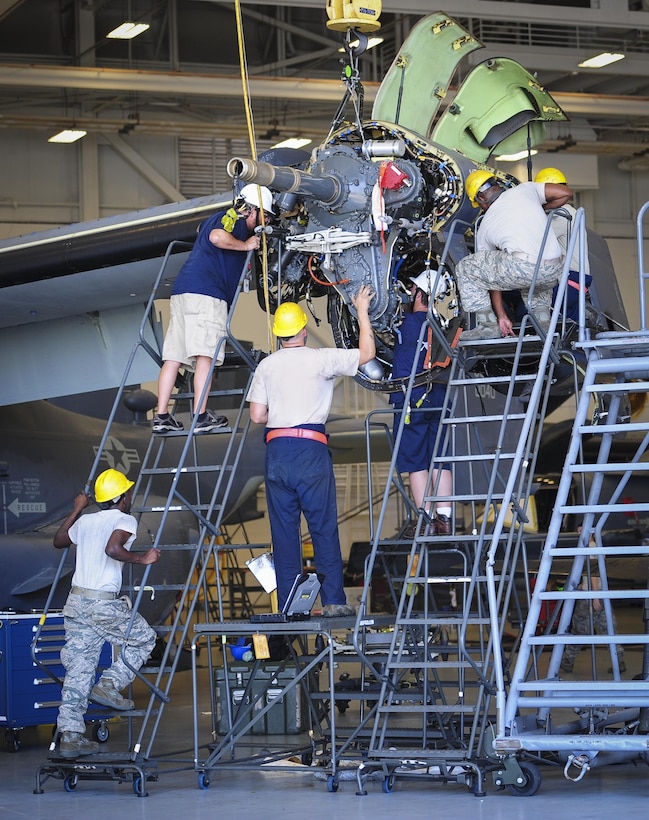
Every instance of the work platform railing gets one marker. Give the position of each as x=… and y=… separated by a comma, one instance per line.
x=572, y=710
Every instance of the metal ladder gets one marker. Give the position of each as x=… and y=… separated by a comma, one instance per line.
x=587, y=719
x=442, y=673
x=180, y=498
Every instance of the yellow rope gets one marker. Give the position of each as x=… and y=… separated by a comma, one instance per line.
x=243, y=67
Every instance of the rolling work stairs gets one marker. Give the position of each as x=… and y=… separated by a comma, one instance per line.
x=589, y=717
x=460, y=606
x=181, y=498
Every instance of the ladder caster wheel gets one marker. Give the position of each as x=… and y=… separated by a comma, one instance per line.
x=332, y=783
x=471, y=783
x=203, y=781
x=12, y=739
x=71, y=782
x=139, y=786
x=388, y=784
x=531, y=781
x=101, y=732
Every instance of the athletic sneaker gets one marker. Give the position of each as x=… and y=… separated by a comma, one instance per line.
x=166, y=423
x=207, y=422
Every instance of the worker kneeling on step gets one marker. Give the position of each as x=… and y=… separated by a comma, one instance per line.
x=509, y=242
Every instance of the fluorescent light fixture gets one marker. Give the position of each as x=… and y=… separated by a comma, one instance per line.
x=371, y=43
x=516, y=157
x=605, y=58
x=68, y=135
x=127, y=31
x=293, y=142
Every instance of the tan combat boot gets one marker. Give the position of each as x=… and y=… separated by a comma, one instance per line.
x=75, y=744
x=486, y=327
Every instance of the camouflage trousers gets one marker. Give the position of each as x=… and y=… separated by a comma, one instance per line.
x=581, y=624
x=89, y=623
x=483, y=271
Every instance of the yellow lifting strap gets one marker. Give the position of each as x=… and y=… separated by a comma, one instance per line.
x=243, y=67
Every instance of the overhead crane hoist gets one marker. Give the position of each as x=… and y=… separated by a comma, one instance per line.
x=362, y=15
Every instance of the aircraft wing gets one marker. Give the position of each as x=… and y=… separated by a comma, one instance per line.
x=72, y=299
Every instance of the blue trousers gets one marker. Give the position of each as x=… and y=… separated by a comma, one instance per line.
x=300, y=479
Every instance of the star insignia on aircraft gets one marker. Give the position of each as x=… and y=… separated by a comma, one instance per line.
x=118, y=457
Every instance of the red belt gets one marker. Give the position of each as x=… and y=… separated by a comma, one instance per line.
x=575, y=285
x=296, y=432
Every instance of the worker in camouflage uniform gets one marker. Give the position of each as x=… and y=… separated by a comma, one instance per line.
x=94, y=614
x=509, y=243
x=589, y=618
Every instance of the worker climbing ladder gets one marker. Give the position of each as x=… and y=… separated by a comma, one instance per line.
x=460, y=602
x=181, y=498
x=586, y=715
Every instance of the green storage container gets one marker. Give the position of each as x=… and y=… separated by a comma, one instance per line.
x=289, y=714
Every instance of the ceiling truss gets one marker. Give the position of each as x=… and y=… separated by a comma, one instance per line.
x=294, y=67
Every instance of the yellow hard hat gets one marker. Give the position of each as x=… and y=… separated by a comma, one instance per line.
x=110, y=485
x=551, y=175
x=475, y=181
x=289, y=320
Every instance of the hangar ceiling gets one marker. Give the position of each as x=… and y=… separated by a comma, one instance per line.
x=183, y=77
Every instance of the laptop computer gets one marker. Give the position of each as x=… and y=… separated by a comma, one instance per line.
x=299, y=602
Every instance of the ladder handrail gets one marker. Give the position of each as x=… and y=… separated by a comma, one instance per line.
x=643, y=275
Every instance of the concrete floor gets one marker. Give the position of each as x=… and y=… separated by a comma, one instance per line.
x=247, y=794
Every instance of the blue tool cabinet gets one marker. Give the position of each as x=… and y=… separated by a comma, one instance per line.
x=28, y=695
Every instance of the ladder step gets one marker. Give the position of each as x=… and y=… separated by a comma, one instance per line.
x=638, y=506
x=589, y=595
x=565, y=552
x=466, y=498
x=441, y=621
x=177, y=508
x=416, y=755
x=488, y=457
x=233, y=391
x=456, y=420
x=521, y=377
x=204, y=468
x=610, y=467
x=604, y=691
x=176, y=433
x=585, y=699
x=434, y=663
x=590, y=640
x=625, y=427
x=509, y=341
x=427, y=708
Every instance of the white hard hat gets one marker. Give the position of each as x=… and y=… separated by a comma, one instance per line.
x=250, y=193
x=425, y=281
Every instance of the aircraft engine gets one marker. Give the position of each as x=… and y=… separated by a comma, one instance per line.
x=373, y=205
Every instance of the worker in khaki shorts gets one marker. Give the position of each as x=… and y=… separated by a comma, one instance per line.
x=94, y=614
x=201, y=299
